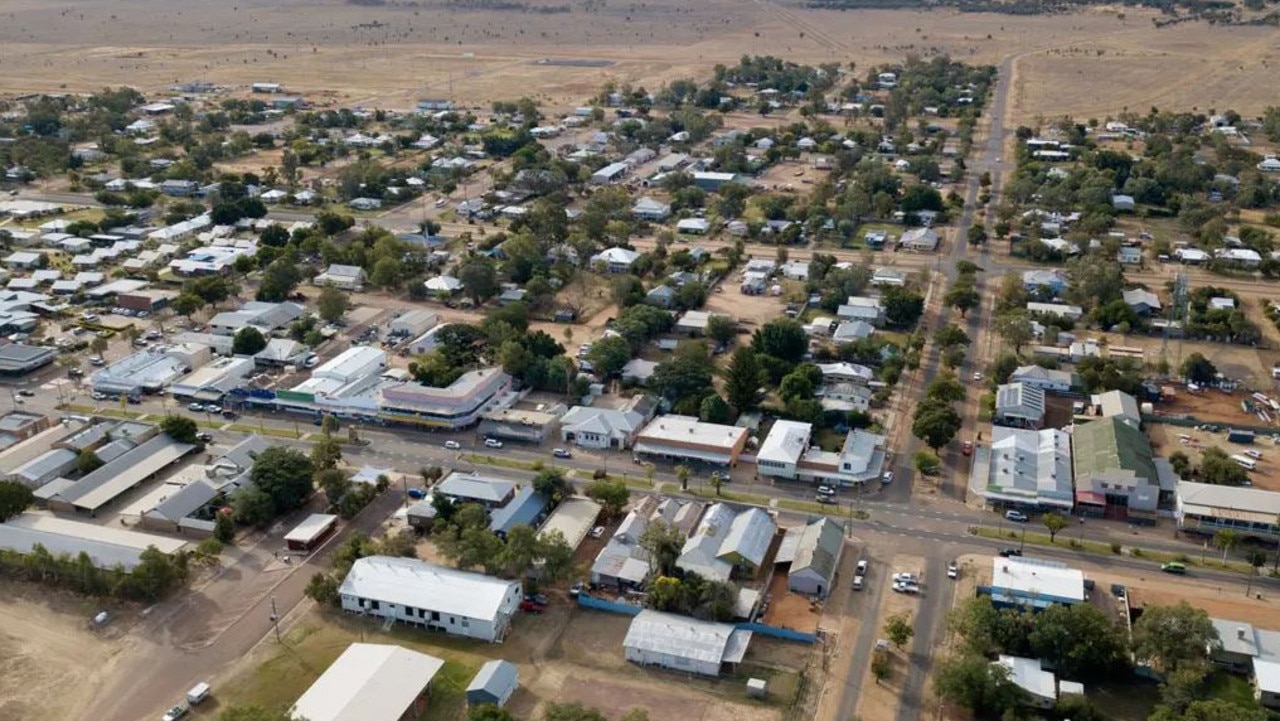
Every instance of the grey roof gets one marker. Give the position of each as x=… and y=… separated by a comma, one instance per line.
x=685, y=637
x=475, y=487
x=106, y=546
x=54, y=461
x=185, y=502
x=103, y=485
x=817, y=548
x=418, y=584
x=1020, y=398
x=495, y=677
x=243, y=453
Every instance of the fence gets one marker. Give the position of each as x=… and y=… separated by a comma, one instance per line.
x=627, y=609
x=1192, y=422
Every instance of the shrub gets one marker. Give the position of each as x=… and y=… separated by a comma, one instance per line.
x=1115, y=548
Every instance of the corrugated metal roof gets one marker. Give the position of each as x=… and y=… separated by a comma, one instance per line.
x=684, y=637
x=368, y=682
x=495, y=677
x=418, y=584
x=818, y=547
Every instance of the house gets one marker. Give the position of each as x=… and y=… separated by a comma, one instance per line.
x=1033, y=583
x=694, y=322
x=266, y=317
x=23, y=260
x=663, y=296
x=846, y=373
x=712, y=182
x=1116, y=404
x=681, y=643
x=1123, y=203
x=844, y=397
x=1205, y=509
x=443, y=285
x=434, y=597
x=686, y=438
x=370, y=682
x=1026, y=469
x=179, y=188
x=727, y=539
x=889, y=277
x=811, y=554
x=920, y=240
x=1266, y=683
x=1019, y=405
x=1115, y=472
x=1072, y=313
x=693, y=226
x=1191, y=256
x=343, y=277
x=474, y=488
x=493, y=684
x=1222, y=303
x=615, y=259
x=862, y=308
x=852, y=330
x=1242, y=257
x=651, y=210
x=1046, y=379
x=365, y=203
x=610, y=174
x=1040, y=688
x=1239, y=646
x=1129, y=255
x=1143, y=302
x=638, y=371
x=604, y=427
x=1034, y=280
x=795, y=270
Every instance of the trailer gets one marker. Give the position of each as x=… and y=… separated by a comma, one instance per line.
x=1235, y=435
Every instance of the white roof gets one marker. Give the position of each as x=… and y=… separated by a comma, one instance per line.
x=1033, y=576
x=311, y=527
x=1231, y=502
x=573, y=519
x=368, y=682
x=106, y=546
x=618, y=255
x=786, y=442
x=418, y=584
x=1027, y=675
x=684, y=637
x=1266, y=675
x=1030, y=466
x=687, y=429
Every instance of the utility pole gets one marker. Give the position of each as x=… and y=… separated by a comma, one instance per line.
x=275, y=619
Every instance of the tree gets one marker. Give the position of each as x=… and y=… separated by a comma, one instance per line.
x=935, y=423
x=743, y=378
x=15, y=498
x=713, y=409
x=248, y=341
x=902, y=307
x=520, y=551
x=331, y=304
x=571, y=712
x=945, y=387
x=186, y=304
x=684, y=376
x=612, y=496
x=664, y=542
x=284, y=474
x=1217, y=468
x=552, y=484
x=224, y=529
x=252, y=506
x=782, y=338
x=1171, y=637
x=963, y=296
x=1054, y=522
x=1080, y=641
x=1214, y=709
x=951, y=335
x=326, y=452
x=87, y=462
x=479, y=279
x=556, y=555
x=323, y=589
x=977, y=235
x=682, y=474
x=927, y=463
x=180, y=429
x=278, y=280
x=1198, y=369
x=881, y=666
x=721, y=328
x=972, y=682
x=898, y=629
x=1015, y=328
x=609, y=355
x=1226, y=539
x=99, y=345
x=489, y=712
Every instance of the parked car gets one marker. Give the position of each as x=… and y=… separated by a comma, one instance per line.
x=228, y=413
x=561, y=453
x=213, y=409
x=1010, y=552
x=99, y=396
x=196, y=408
x=967, y=448
x=417, y=493
x=492, y=443
x=25, y=393
x=862, y=568
x=953, y=572
x=977, y=377
x=597, y=532
x=530, y=607
x=905, y=578
x=97, y=361
x=857, y=583
x=576, y=589
x=206, y=437
x=537, y=598
x=826, y=491
x=1015, y=516
x=175, y=713
x=824, y=500
x=453, y=445
x=887, y=478
x=908, y=587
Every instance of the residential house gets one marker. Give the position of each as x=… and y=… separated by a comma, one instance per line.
x=437, y=598
x=1129, y=255
x=610, y=174
x=693, y=226
x=615, y=259
x=1143, y=302
x=1072, y=313
x=606, y=427
x=370, y=682
x=343, y=277
x=1055, y=281
x=493, y=684
x=863, y=308
x=1040, y=687
x=651, y=210
x=727, y=539
x=663, y=296
x=852, y=330
x=920, y=240
x=1046, y=379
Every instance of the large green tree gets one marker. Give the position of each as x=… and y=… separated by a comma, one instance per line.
x=180, y=428
x=612, y=495
x=14, y=499
x=782, y=338
x=974, y=683
x=1080, y=641
x=248, y=341
x=1171, y=637
x=284, y=474
x=331, y=304
x=743, y=378
x=609, y=355
x=479, y=279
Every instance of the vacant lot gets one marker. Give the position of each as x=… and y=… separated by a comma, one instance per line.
x=1166, y=439
x=51, y=663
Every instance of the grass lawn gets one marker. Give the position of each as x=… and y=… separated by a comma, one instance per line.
x=828, y=440
x=1231, y=687
x=1125, y=702
x=308, y=650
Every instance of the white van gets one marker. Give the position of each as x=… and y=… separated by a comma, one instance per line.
x=198, y=693
x=1247, y=463
x=1255, y=455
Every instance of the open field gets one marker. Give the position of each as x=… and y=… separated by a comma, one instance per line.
x=1166, y=439
x=1096, y=62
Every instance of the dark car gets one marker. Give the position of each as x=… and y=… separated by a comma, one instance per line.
x=530, y=607
x=537, y=598
x=417, y=493
x=1008, y=552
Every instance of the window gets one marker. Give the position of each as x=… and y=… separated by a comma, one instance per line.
x=466, y=623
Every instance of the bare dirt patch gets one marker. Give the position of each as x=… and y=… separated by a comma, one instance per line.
x=51, y=664
x=1165, y=439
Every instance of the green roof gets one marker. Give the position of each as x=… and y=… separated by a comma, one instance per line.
x=1110, y=443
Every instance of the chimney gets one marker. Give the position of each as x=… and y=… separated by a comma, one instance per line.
x=1240, y=632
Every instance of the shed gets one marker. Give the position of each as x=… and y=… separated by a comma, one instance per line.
x=308, y=534
x=493, y=683
x=684, y=644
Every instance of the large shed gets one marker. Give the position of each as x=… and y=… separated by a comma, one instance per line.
x=685, y=644
x=311, y=532
x=814, y=554
x=370, y=682
x=493, y=683
x=575, y=517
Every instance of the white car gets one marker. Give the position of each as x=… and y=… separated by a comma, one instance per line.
x=862, y=568
x=453, y=445
x=953, y=572
x=857, y=583
x=492, y=443
x=977, y=377
x=887, y=478
x=906, y=587
x=905, y=578
x=597, y=532
x=826, y=490
x=196, y=407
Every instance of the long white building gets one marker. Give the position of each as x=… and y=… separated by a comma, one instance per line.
x=433, y=597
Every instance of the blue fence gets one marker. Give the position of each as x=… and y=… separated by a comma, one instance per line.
x=628, y=609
